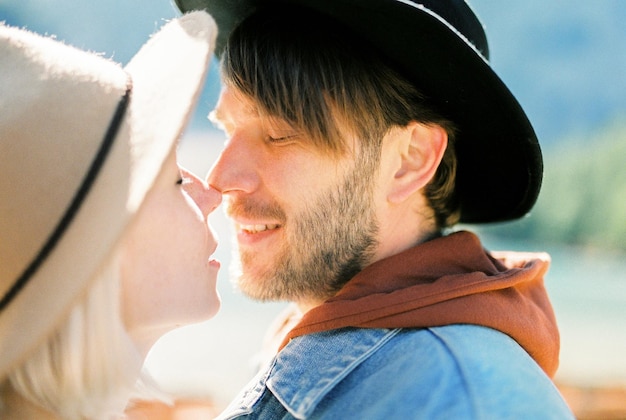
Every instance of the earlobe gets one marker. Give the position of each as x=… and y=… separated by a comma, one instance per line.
x=422, y=149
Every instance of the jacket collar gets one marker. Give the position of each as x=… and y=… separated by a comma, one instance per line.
x=300, y=383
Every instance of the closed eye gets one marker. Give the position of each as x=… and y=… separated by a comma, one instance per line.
x=184, y=178
x=283, y=139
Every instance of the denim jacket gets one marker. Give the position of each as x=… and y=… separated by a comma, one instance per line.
x=457, y=371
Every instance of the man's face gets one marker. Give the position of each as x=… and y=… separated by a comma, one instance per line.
x=304, y=221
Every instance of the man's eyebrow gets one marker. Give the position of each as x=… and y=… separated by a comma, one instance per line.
x=217, y=116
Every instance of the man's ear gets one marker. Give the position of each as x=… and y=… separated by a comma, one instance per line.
x=422, y=147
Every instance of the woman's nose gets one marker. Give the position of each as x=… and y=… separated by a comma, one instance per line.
x=206, y=198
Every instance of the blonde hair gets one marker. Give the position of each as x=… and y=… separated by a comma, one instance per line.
x=89, y=368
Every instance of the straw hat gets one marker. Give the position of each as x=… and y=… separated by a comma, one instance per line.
x=441, y=46
x=81, y=142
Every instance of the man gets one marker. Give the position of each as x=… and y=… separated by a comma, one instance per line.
x=359, y=133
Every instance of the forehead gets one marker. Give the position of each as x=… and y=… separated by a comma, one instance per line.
x=231, y=104
x=328, y=134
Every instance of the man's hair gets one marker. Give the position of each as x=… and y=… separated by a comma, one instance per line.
x=314, y=74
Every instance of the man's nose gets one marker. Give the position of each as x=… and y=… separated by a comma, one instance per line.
x=234, y=170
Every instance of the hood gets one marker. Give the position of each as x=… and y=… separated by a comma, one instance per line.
x=448, y=280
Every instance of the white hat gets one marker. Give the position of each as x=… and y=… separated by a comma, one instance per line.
x=81, y=142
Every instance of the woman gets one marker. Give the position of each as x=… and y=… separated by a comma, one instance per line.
x=104, y=241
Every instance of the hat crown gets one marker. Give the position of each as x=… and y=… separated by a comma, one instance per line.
x=462, y=18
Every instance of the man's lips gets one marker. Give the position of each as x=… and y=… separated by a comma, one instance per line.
x=253, y=233
x=256, y=228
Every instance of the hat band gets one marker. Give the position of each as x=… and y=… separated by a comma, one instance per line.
x=75, y=204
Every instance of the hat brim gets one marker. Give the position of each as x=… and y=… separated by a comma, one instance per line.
x=166, y=77
x=500, y=163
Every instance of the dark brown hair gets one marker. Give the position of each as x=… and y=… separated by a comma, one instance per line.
x=309, y=71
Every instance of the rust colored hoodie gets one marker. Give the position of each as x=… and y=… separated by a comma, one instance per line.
x=448, y=280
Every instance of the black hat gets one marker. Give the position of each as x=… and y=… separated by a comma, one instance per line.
x=440, y=45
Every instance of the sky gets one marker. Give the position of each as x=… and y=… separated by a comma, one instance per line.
x=564, y=60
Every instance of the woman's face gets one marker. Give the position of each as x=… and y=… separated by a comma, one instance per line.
x=168, y=278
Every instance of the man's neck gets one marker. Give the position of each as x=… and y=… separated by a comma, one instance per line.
x=306, y=305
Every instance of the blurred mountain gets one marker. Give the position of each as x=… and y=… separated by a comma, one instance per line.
x=565, y=60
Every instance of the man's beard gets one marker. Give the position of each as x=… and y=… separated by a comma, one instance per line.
x=326, y=245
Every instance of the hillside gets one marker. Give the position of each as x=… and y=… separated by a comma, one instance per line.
x=582, y=198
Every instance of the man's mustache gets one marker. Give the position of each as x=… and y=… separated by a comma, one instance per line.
x=248, y=208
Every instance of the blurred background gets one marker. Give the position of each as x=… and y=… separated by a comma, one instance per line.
x=565, y=60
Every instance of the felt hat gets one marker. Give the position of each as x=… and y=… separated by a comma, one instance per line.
x=441, y=46
x=82, y=140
